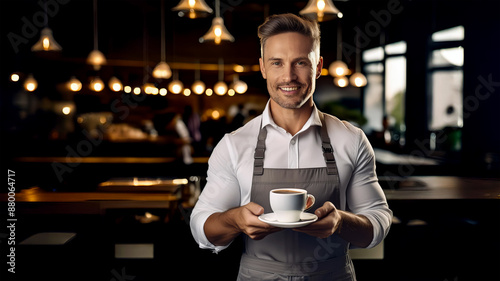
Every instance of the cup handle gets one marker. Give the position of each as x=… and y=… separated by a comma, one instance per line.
x=310, y=201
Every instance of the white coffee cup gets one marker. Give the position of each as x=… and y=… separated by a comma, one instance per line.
x=289, y=203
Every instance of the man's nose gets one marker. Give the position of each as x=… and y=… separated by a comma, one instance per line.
x=289, y=73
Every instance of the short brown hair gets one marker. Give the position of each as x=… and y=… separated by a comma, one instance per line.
x=277, y=24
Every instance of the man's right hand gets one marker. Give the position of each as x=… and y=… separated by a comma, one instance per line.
x=222, y=228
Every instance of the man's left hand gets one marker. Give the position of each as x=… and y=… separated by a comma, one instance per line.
x=329, y=221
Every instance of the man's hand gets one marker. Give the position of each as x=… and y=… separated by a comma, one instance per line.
x=329, y=221
x=356, y=229
x=248, y=222
x=222, y=228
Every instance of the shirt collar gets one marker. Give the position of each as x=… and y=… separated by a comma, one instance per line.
x=313, y=120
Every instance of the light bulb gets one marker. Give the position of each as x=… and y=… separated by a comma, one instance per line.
x=175, y=87
x=198, y=87
x=97, y=85
x=14, y=77
x=162, y=71
x=341, y=81
x=358, y=79
x=96, y=58
x=338, y=69
x=209, y=92
x=220, y=88
x=74, y=84
x=239, y=87
x=115, y=84
x=30, y=84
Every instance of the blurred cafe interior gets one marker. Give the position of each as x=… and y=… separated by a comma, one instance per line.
x=110, y=110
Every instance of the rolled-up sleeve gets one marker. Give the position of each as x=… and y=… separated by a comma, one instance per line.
x=220, y=194
x=364, y=194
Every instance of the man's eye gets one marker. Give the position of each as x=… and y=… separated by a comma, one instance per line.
x=275, y=63
x=301, y=63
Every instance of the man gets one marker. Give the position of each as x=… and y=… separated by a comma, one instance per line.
x=293, y=145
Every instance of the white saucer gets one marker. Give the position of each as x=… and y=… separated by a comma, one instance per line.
x=305, y=219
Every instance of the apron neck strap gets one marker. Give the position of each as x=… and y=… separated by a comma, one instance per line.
x=326, y=146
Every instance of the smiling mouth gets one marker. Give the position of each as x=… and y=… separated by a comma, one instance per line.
x=289, y=89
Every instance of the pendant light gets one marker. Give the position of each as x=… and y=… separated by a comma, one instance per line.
x=96, y=57
x=358, y=79
x=239, y=86
x=198, y=86
x=320, y=10
x=30, y=84
x=47, y=41
x=220, y=88
x=74, y=84
x=192, y=9
x=217, y=31
x=96, y=84
x=341, y=81
x=338, y=68
x=162, y=69
x=115, y=84
x=176, y=86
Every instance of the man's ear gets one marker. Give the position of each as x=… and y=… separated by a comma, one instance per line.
x=319, y=67
x=262, y=68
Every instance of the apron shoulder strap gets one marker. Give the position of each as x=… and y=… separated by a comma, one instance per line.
x=331, y=166
x=258, y=166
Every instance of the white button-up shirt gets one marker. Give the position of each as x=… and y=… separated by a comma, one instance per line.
x=230, y=172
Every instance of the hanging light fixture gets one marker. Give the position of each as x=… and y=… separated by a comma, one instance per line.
x=217, y=31
x=30, y=84
x=115, y=84
x=198, y=86
x=358, y=79
x=74, y=84
x=338, y=68
x=46, y=42
x=192, y=9
x=14, y=77
x=176, y=86
x=321, y=10
x=96, y=57
x=341, y=81
x=239, y=86
x=162, y=69
x=96, y=84
x=220, y=88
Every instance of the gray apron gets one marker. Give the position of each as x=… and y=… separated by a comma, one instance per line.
x=287, y=254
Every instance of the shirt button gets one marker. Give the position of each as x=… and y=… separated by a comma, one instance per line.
x=292, y=141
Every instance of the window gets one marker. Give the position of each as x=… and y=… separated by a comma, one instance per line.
x=385, y=92
x=446, y=77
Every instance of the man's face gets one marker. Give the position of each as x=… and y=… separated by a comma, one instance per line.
x=291, y=67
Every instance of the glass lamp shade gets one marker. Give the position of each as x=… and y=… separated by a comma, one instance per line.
x=162, y=71
x=220, y=88
x=115, y=84
x=74, y=84
x=97, y=59
x=217, y=32
x=320, y=10
x=239, y=87
x=341, y=81
x=192, y=9
x=175, y=87
x=96, y=85
x=46, y=42
x=150, y=89
x=30, y=84
x=198, y=87
x=338, y=69
x=358, y=79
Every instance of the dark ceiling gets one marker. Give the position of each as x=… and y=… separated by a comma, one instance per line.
x=129, y=33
